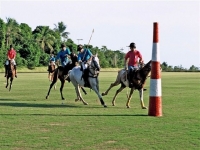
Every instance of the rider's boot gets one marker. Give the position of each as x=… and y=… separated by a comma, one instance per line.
x=85, y=77
x=130, y=77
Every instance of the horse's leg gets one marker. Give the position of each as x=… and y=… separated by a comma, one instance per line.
x=111, y=86
x=51, y=85
x=95, y=87
x=11, y=79
x=49, y=76
x=83, y=90
x=7, y=81
x=117, y=82
x=129, y=98
x=117, y=92
x=61, y=88
x=141, y=99
x=52, y=78
x=79, y=96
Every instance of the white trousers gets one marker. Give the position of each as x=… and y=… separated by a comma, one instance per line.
x=84, y=65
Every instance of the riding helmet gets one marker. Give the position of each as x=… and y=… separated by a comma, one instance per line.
x=132, y=45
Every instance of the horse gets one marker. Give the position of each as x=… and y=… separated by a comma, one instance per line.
x=75, y=76
x=60, y=73
x=138, y=80
x=51, y=70
x=10, y=74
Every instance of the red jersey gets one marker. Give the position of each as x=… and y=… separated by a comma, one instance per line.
x=133, y=57
x=11, y=54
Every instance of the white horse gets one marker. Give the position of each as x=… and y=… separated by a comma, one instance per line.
x=75, y=76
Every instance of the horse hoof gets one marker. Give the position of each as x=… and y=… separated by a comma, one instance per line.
x=144, y=107
x=46, y=97
x=103, y=94
x=76, y=100
x=128, y=106
x=63, y=98
x=104, y=106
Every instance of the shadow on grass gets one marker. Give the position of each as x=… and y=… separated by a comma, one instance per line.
x=7, y=99
x=78, y=115
x=36, y=105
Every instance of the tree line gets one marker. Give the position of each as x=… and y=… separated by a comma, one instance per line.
x=34, y=46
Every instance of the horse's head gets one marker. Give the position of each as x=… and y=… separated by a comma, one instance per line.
x=95, y=62
x=94, y=65
x=73, y=58
x=145, y=70
x=141, y=75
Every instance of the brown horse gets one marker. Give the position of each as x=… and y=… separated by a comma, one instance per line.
x=61, y=74
x=51, y=70
x=138, y=80
x=10, y=74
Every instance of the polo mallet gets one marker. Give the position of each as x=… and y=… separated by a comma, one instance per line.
x=127, y=83
x=88, y=42
x=90, y=37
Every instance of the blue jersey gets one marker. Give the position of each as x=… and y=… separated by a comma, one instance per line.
x=85, y=55
x=52, y=59
x=62, y=55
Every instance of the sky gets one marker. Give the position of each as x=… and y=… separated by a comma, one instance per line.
x=118, y=23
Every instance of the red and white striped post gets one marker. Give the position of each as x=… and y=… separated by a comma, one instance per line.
x=155, y=100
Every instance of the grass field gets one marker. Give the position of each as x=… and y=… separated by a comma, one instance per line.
x=29, y=121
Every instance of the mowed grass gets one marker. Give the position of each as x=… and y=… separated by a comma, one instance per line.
x=29, y=121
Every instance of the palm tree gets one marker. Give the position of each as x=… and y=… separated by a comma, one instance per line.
x=44, y=37
x=12, y=31
x=60, y=28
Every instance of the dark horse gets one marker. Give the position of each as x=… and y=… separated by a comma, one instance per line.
x=10, y=74
x=61, y=73
x=138, y=80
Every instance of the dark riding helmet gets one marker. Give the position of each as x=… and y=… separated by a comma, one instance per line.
x=62, y=45
x=11, y=46
x=132, y=45
x=79, y=47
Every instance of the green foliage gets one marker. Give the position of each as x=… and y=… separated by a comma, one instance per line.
x=34, y=46
x=44, y=59
x=60, y=28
